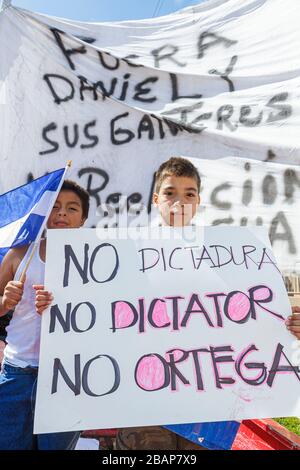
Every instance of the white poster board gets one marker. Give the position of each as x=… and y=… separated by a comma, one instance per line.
x=213, y=81
x=163, y=329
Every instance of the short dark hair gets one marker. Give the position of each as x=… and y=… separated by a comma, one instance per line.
x=69, y=185
x=176, y=166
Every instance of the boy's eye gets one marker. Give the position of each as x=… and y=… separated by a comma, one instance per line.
x=73, y=209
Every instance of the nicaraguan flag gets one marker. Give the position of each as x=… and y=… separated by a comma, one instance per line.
x=24, y=211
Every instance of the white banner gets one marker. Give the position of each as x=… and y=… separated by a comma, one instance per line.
x=212, y=81
x=164, y=327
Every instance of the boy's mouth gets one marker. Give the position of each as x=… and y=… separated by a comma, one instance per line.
x=177, y=212
x=61, y=223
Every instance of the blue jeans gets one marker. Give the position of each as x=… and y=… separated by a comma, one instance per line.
x=17, y=402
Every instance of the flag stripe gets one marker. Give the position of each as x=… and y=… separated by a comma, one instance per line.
x=12, y=207
x=10, y=231
x=24, y=211
x=30, y=228
x=213, y=436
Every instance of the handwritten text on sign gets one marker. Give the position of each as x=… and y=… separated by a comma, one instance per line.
x=163, y=329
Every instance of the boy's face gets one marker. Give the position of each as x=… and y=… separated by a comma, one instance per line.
x=177, y=200
x=66, y=212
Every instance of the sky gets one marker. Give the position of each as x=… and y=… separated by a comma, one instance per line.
x=104, y=10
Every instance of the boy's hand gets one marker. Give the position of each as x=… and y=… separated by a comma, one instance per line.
x=43, y=298
x=293, y=322
x=12, y=294
x=2, y=346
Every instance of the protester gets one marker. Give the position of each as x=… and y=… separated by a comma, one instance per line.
x=21, y=354
x=176, y=195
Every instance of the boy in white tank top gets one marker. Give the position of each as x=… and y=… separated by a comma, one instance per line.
x=176, y=195
x=21, y=355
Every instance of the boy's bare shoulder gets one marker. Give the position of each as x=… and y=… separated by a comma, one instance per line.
x=18, y=252
x=15, y=256
x=10, y=264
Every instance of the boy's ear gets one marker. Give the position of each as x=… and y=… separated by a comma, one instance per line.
x=155, y=199
x=82, y=221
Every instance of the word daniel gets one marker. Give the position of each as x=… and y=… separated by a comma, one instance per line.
x=154, y=371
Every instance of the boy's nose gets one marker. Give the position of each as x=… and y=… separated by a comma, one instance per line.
x=177, y=205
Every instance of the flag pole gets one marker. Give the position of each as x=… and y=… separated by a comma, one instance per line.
x=36, y=243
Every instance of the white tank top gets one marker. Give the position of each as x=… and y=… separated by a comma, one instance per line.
x=24, y=329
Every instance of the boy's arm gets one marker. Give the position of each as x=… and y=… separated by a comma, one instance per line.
x=10, y=291
x=293, y=322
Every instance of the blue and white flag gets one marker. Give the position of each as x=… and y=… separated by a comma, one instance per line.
x=24, y=211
